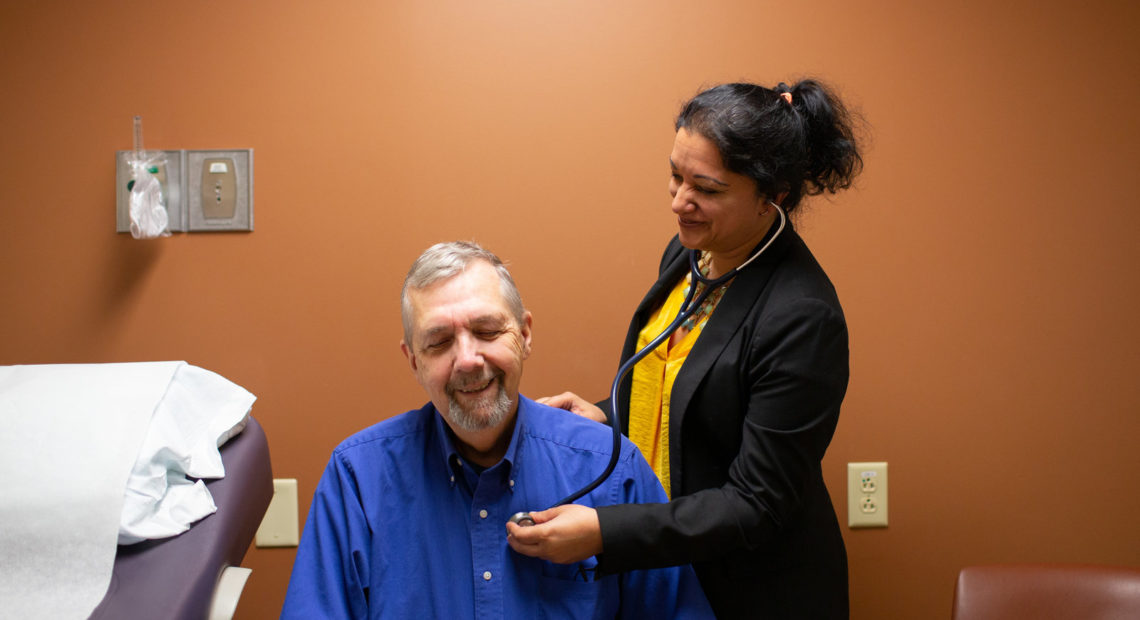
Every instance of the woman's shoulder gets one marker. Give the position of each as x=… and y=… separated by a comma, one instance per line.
x=801, y=276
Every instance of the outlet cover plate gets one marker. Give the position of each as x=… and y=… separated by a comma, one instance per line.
x=209, y=175
x=279, y=526
x=867, y=494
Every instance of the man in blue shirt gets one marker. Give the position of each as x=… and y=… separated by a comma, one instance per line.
x=408, y=519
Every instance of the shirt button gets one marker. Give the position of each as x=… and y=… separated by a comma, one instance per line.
x=482, y=514
x=486, y=575
x=512, y=483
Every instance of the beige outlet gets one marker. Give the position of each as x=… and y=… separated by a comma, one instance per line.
x=279, y=526
x=219, y=188
x=867, y=494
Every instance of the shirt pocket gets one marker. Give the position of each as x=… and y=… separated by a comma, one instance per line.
x=570, y=591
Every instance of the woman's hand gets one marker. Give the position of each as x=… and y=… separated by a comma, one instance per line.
x=575, y=404
x=563, y=535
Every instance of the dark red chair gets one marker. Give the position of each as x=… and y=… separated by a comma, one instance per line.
x=1047, y=592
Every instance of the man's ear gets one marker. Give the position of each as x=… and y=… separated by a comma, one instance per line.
x=409, y=354
x=525, y=331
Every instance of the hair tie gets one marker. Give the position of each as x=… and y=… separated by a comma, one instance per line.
x=786, y=97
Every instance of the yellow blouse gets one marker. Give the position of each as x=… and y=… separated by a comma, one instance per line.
x=653, y=380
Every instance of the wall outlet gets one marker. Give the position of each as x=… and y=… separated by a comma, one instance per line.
x=220, y=190
x=867, y=494
x=279, y=527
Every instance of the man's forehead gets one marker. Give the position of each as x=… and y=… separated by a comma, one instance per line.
x=474, y=292
x=435, y=312
x=436, y=321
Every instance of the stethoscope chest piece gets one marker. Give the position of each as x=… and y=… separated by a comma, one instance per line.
x=522, y=518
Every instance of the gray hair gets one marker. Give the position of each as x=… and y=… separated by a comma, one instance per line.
x=447, y=260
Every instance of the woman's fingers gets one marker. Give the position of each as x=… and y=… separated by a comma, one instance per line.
x=564, y=534
x=575, y=404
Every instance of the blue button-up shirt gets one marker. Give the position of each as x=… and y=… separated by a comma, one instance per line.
x=402, y=527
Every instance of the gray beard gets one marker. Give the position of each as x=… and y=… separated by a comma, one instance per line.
x=485, y=413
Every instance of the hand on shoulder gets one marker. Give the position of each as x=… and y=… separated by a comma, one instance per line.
x=574, y=404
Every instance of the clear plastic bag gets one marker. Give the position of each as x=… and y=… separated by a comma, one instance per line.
x=147, y=203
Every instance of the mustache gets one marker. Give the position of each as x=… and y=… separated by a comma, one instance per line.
x=471, y=381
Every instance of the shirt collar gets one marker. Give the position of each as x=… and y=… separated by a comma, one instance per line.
x=445, y=441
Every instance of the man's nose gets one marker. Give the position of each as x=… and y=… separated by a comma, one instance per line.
x=468, y=354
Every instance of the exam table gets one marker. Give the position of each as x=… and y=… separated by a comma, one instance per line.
x=196, y=574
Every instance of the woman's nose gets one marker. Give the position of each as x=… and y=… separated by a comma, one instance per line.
x=681, y=200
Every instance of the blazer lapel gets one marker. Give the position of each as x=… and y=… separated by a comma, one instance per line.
x=675, y=264
x=728, y=317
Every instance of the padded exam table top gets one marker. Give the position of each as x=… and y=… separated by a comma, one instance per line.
x=175, y=577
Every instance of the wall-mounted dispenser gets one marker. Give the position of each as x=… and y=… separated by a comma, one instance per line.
x=169, y=170
x=205, y=190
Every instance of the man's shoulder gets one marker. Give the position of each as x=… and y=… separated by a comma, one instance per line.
x=562, y=429
x=403, y=427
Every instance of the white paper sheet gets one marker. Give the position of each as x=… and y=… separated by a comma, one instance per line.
x=200, y=411
x=69, y=435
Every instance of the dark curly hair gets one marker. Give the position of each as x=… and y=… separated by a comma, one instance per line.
x=803, y=148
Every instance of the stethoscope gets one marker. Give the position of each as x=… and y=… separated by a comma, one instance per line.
x=688, y=307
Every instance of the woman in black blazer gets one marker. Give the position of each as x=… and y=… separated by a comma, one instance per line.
x=736, y=411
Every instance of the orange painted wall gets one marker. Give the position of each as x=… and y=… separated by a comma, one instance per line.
x=987, y=260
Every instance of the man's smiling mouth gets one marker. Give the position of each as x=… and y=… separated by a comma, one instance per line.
x=476, y=388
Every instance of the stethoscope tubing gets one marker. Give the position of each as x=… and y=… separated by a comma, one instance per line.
x=688, y=307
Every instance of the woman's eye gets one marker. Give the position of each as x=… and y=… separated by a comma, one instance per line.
x=675, y=181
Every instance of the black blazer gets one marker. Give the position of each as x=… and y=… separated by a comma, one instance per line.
x=752, y=412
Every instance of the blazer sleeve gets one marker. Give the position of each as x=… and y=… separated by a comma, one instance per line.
x=665, y=592
x=794, y=372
